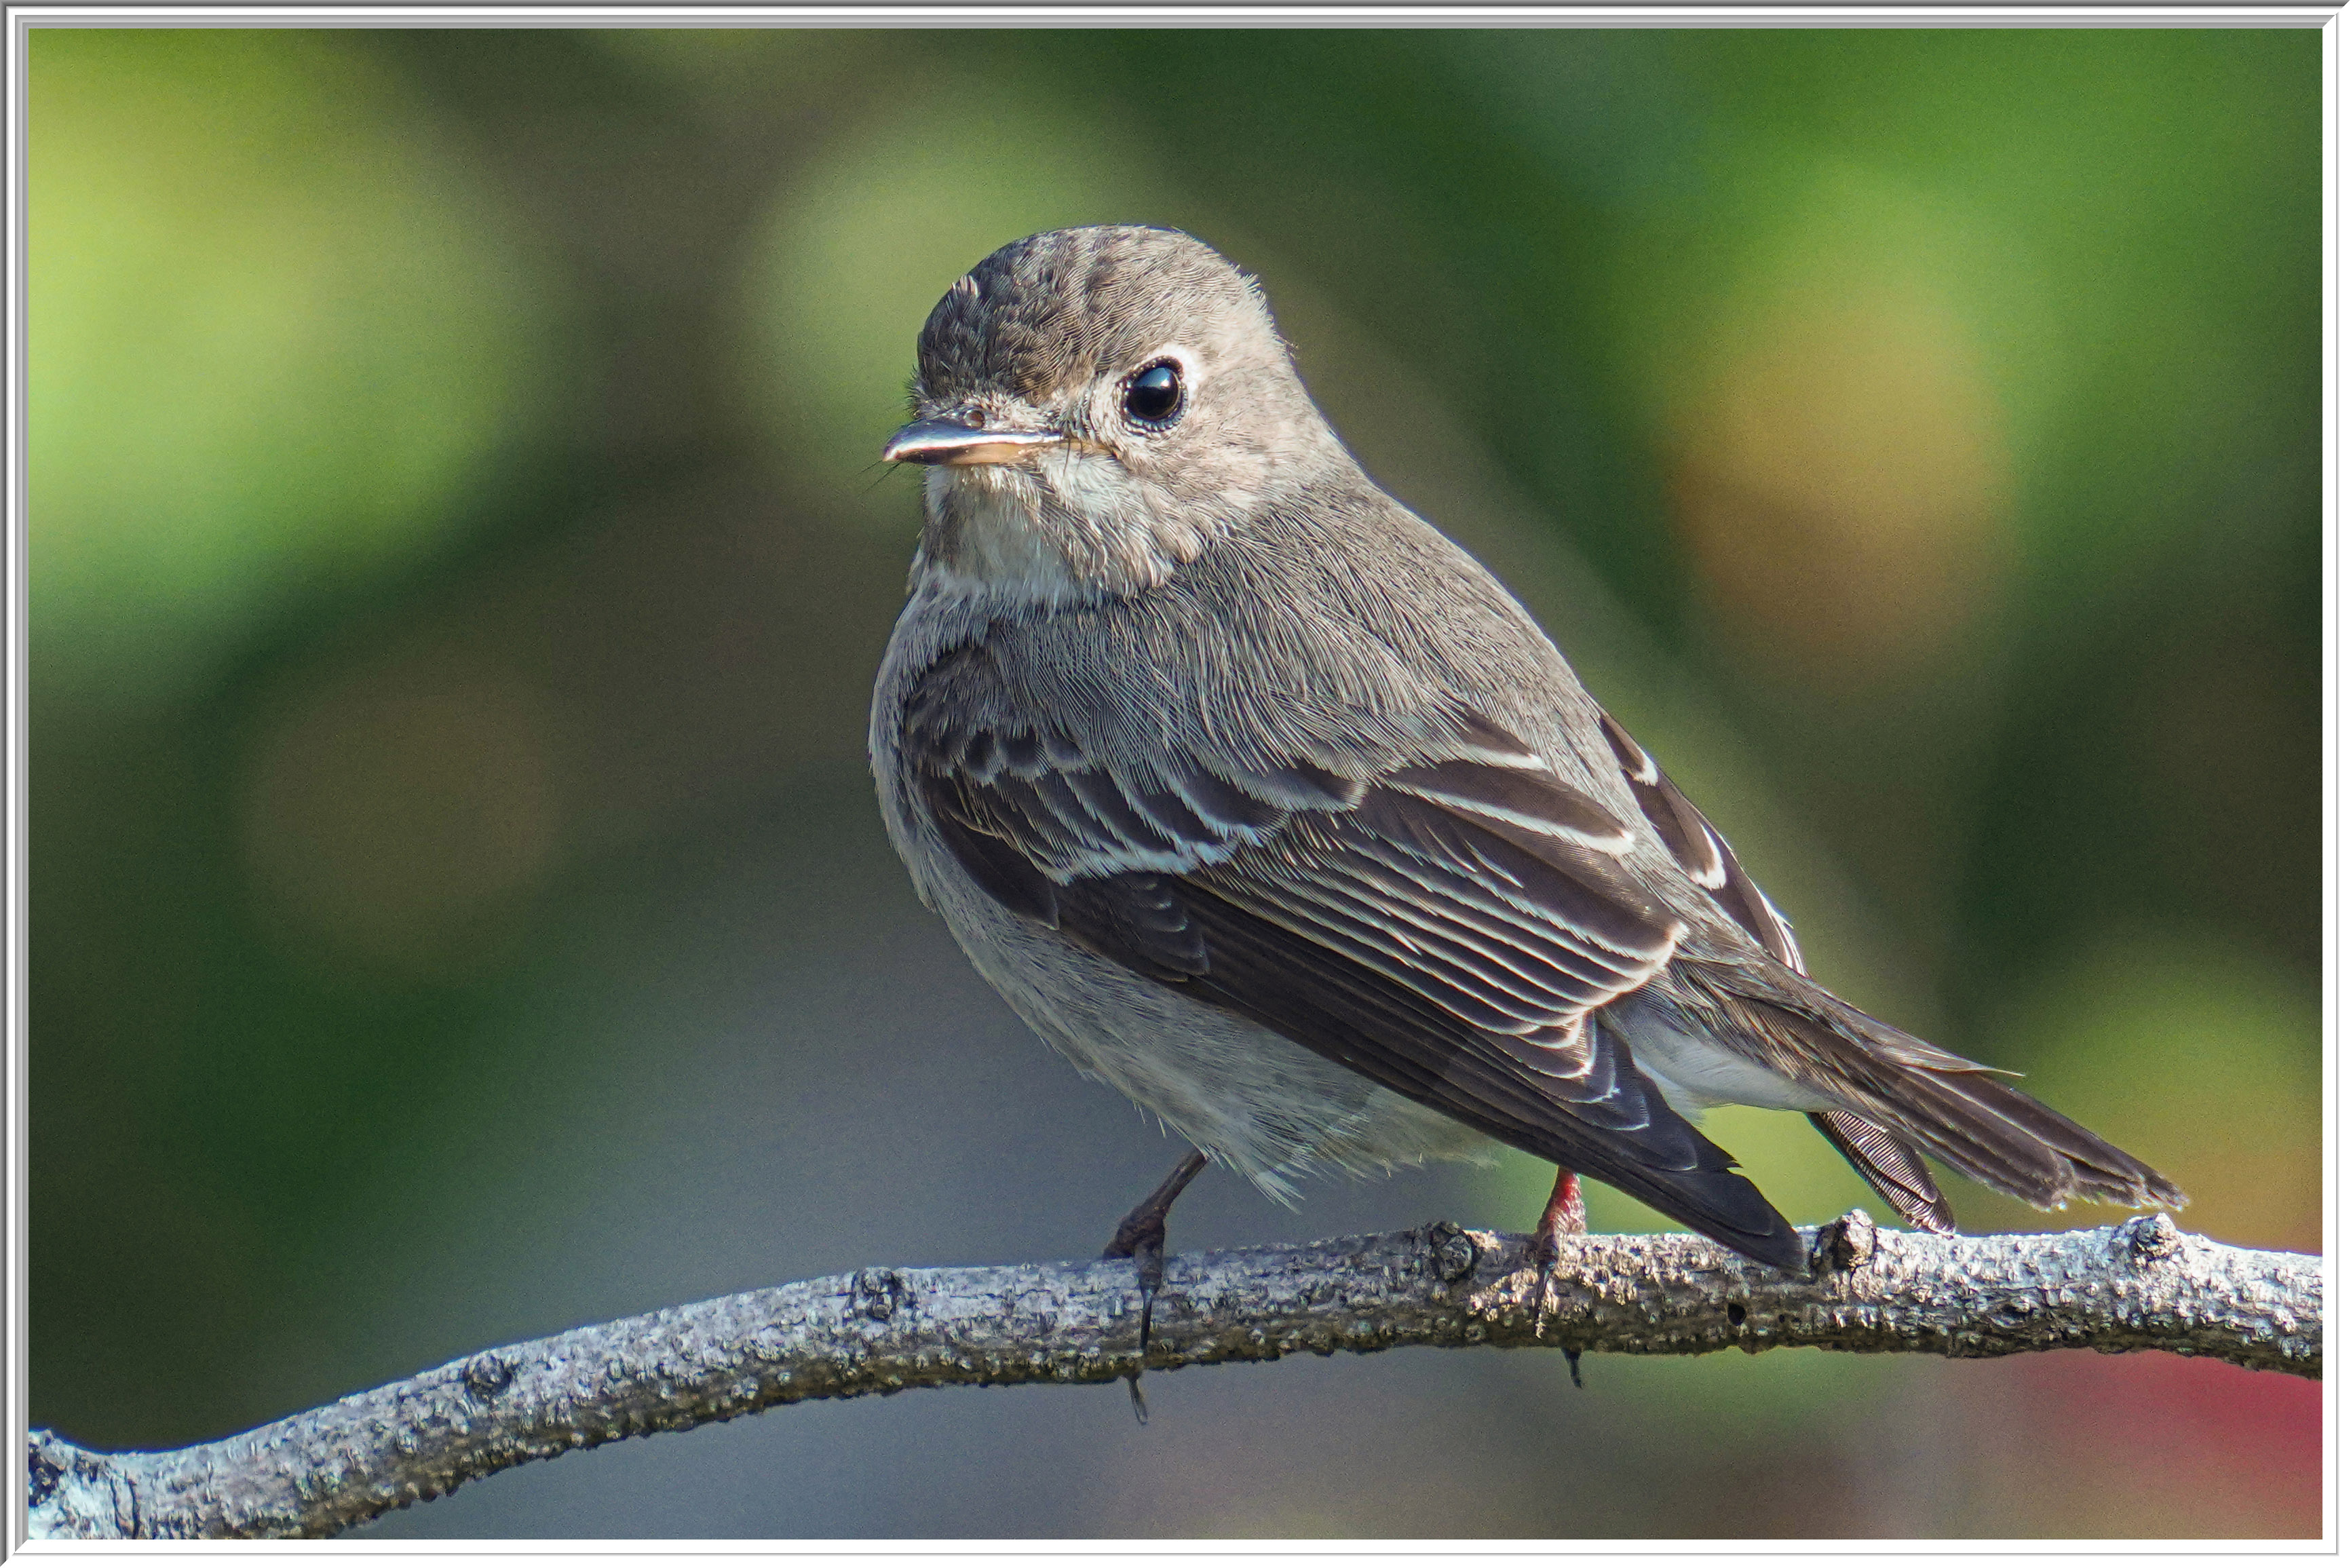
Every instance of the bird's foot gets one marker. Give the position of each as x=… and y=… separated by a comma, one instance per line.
x=1562, y=1216
x=1143, y=1236
x=1148, y=1247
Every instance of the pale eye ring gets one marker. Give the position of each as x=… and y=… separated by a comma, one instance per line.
x=1152, y=397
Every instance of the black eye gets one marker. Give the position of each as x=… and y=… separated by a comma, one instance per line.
x=1154, y=394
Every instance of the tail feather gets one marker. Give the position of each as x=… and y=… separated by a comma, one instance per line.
x=1891, y=1166
x=2066, y=1159
x=1965, y=1114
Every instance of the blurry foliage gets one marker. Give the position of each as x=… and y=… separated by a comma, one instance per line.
x=457, y=561
x=275, y=327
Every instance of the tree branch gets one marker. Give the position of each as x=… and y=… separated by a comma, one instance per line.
x=2141, y=1286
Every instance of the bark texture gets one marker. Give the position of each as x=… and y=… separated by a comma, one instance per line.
x=2141, y=1286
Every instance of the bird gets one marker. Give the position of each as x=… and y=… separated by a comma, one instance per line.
x=1265, y=803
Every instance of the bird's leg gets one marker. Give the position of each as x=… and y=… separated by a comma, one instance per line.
x=1143, y=1236
x=1562, y=1216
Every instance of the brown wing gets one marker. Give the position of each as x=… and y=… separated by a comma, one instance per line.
x=1446, y=928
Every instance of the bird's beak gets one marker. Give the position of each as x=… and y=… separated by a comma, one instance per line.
x=949, y=441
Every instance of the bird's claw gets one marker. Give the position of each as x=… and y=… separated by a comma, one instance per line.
x=1543, y=1256
x=1562, y=1216
x=1147, y=1245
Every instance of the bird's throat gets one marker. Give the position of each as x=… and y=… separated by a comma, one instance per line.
x=1004, y=533
x=987, y=535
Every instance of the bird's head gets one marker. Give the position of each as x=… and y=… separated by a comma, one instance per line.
x=1096, y=407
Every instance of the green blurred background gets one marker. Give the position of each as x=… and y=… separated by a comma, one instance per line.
x=458, y=565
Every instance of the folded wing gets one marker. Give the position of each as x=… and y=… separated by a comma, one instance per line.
x=1447, y=929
